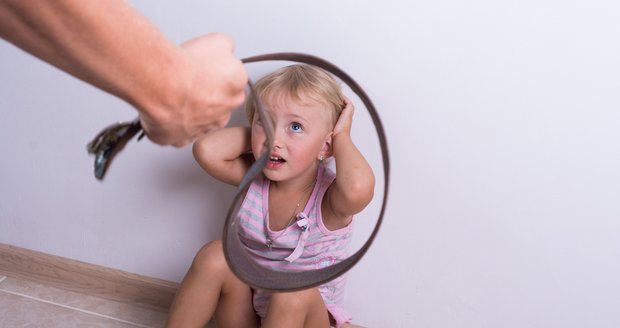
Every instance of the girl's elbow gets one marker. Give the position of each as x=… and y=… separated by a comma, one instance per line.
x=361, y=193
x=196, y=149
x=200, y=151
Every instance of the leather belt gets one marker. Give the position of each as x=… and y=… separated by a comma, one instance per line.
x=111, y=140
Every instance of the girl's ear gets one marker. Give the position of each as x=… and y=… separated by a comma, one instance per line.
x=327, y=150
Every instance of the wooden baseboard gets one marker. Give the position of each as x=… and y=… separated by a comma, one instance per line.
x=81, y=277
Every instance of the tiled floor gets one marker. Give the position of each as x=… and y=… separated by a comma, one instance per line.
x=27, y=304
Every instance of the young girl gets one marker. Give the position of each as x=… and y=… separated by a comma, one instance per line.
x=296, y=216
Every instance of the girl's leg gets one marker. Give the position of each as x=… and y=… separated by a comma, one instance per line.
x=211, y=288
x=301, y=309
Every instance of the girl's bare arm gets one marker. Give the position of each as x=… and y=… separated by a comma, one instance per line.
x=224, y=153
x=354, y=186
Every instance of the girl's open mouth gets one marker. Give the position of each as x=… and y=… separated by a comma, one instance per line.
x=275, y=162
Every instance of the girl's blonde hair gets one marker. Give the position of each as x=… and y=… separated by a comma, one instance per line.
x=299, y=82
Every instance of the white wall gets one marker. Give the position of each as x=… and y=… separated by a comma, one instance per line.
x=502, y=118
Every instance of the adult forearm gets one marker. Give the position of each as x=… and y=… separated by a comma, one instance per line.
x=180, y=92
x=105, y=43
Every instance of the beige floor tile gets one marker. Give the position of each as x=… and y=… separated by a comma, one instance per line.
x=17, y=311
x=89, y=304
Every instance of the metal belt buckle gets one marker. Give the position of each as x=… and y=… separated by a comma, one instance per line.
x=109, y=142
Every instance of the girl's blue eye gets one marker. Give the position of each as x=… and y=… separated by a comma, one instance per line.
x=296, y=127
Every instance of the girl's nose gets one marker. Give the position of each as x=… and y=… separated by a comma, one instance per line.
x=277, y=138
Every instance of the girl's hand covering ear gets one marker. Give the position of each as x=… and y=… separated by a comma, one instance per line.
x=343, y=125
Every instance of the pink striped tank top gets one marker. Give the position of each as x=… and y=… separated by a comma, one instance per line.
x=306, y=245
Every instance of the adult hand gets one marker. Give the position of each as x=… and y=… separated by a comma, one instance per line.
x=179, y=92
x=215, y=86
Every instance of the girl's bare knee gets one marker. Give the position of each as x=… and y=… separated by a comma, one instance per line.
x=299, y=300
x=301, y=308
x=211, y=262
x=210, y=257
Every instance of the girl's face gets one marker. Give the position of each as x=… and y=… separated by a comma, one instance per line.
x=302, y=134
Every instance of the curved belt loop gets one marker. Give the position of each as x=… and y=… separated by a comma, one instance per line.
x=110, y=141
x=238, y=258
